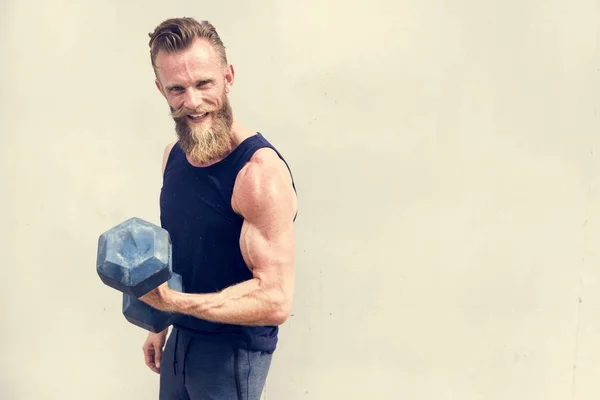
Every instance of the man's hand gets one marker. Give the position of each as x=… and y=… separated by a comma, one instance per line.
x=153, y=349
x=159, y=298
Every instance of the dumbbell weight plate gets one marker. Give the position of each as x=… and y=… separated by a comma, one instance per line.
x=134, y=257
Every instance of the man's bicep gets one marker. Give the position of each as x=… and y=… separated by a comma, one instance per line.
x=269, y=252
x=267, y=202
x=268, y=248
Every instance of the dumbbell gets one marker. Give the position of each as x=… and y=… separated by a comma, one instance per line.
x=134, y=257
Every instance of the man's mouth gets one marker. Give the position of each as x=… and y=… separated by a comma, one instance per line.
x=197, y=117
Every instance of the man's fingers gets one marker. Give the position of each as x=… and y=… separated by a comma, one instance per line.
x=149, y=355
x=157, y=357
x=149, y=358
x=153, y=351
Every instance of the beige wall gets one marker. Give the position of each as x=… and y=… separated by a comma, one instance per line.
x=446, y=156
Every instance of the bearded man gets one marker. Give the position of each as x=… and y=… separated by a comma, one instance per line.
x=228, y=201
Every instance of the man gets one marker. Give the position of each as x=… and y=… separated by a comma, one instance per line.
x=228, y=201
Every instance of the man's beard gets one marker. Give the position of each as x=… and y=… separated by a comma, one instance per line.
x=204, y=143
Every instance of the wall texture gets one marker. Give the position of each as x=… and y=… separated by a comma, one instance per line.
x=445, y=155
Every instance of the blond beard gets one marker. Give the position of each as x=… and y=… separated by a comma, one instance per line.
x=202, y=143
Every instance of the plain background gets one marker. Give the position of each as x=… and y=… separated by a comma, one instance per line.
x=446, y=158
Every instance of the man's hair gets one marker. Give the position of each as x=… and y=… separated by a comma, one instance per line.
x=177, y=34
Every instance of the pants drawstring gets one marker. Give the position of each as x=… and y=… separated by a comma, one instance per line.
x=187, y=349
x=188, y=345
x=175, y=352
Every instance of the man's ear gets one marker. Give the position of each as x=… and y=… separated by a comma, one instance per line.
x=229, y=78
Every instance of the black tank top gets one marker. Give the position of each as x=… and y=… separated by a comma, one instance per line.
x=195, y=208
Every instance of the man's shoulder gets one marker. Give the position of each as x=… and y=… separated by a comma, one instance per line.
x=264, y=157
x=168, y=148
x=265, y=165
x=264, y=179
x=166, y=152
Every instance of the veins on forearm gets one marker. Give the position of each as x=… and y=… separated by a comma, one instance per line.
x=246, y=303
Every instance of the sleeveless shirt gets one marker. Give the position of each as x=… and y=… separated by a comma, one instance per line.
x=195, y=208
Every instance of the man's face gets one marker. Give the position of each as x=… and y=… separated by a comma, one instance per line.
x=196, y=86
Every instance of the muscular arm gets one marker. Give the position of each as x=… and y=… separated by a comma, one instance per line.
x=264, y=196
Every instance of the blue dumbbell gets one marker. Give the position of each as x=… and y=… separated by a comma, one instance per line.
x=134, y=257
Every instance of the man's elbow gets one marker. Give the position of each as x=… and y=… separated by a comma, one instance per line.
x=278, y=303
x=280, y=311
x=278, y=318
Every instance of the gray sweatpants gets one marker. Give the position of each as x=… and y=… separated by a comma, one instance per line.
x=193, y=369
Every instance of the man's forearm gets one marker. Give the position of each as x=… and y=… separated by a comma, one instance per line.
x=247, y=303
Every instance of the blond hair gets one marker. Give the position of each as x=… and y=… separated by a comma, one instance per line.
x=177, y=34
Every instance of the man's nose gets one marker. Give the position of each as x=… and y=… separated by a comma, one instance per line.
x=193, y=99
